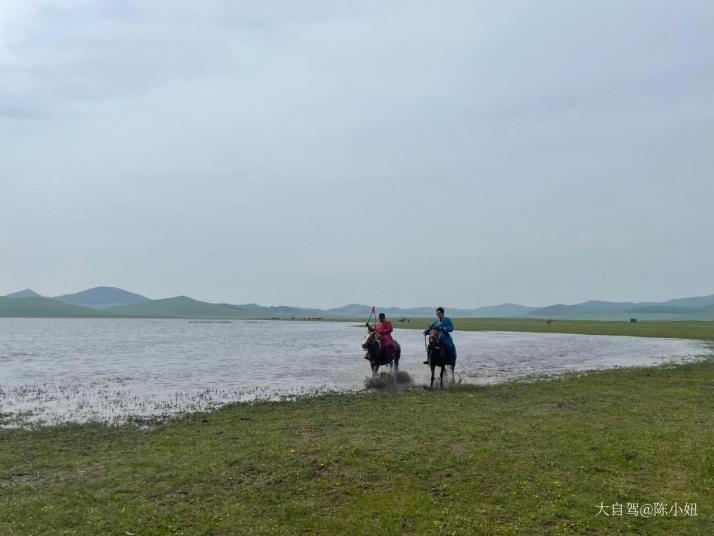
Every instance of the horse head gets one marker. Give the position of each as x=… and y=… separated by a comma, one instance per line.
x=372, y=342
x=434, y=337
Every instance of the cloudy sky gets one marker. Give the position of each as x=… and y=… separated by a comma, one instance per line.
x=324, y=152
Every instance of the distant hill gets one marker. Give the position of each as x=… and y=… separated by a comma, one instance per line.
x=103, y=297
x=695, y=308
x=112, y=301
x=27, y=293
x=254, y=309
x=502, y=311
x=351, y=310
x=179, y=307
x=699, y=301
x=505, y=310
x=42, y=307
x=676, y=310
x=588, y=307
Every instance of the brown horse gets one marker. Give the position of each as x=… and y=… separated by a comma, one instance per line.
x=438, y=356
x=376, y=353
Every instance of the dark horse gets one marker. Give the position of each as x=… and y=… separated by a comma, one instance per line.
x=438, y=355
x=376, y=353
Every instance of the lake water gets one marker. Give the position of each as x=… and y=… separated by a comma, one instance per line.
x=57, y=370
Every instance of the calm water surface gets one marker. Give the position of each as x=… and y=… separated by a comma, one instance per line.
x=56, y=370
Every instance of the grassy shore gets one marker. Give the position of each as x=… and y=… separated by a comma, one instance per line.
x=703, y=330
x=518, y=458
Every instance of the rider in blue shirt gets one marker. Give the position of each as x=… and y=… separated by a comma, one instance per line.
x=445, y=326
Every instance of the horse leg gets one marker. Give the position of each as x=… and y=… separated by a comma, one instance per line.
x=453, y=379
x=432, y=376
x=441, y=376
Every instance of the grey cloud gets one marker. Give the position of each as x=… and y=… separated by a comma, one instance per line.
x=326, y=152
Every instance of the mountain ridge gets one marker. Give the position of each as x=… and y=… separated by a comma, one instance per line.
x=113, y=301
x=25, y=293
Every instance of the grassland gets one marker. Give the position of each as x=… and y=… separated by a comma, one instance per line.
x=518, y=458
x=703, y=330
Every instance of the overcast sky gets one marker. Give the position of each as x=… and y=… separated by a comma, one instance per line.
x=318, y=153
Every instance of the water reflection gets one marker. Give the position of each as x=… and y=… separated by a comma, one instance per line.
x=54, y=370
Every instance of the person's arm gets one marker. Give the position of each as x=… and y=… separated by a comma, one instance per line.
x=431, y=326
x=387, y=328
x=447, y=325
x=369, y=328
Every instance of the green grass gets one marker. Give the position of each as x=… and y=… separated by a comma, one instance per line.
x=703, y=330
x=517, y=458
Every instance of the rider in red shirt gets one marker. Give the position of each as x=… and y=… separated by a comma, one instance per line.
x=384, y=328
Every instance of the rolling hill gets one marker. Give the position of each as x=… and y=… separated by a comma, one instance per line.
x=27, y=293
x=698, y=301
x=102, y=297
x=501, y=311
x=254, y=309
x=704, y=312
x=116, y=302
x=178, y=307
x=592, y=307
x=696, y=308
x=495, y=311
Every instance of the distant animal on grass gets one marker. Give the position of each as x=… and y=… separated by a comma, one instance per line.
x=378, y=354
x=438, y=355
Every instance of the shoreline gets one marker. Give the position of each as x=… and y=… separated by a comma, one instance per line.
x=11, y=421
x=122, y=409
x=517, y=457
x=672, y=329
